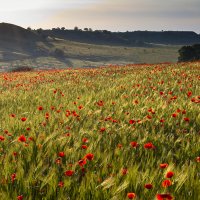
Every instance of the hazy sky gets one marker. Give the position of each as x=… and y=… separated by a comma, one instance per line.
x=115, y=15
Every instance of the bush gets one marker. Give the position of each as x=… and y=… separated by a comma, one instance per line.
x=59, y=53
x=21, y=69
x=189, y=53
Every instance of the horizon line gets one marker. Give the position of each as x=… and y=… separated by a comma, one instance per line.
x=82, y=29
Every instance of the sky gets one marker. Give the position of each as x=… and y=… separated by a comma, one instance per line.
x=113, y=15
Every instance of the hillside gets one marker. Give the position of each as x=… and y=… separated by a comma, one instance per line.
x=17, y=42
x=135, y=38
x=91, y=55
x=19, y=46
x=16, y=33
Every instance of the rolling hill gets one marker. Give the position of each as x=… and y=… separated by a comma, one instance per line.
x=134, y=38
x=87, y=48
x=17, y=43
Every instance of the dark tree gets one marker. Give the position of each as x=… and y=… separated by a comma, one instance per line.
x=21, y=69
x=39, y=31
x=197, y=49
x=76, y=28
x=189, y=53
x=59, y=53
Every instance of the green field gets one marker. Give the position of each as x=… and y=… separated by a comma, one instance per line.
x=101, y=134
x=89, y=55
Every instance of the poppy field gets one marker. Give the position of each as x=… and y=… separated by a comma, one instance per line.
x=109, y=133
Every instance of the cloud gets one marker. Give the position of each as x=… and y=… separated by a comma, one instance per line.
x=16, y=5
x=105, y=14
x=131, y=15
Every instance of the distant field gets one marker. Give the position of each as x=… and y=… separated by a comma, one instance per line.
x=89, y=55
x=102, y=53
x=112, y=133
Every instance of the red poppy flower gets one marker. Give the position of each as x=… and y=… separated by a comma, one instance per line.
x=198, y=159
x=14, y=153
x=148, y=186
x=166, y=183
x=60, y=184
x=193, y=100
x=132, y=121
x=69, y=173
x=163, y=165
x=119, y=146
x=124, y=171
x=174, y=98
x=20, y=197
x=149, y=146
x=13, y=115
x=186, y=119
x=40, y=108
x=84, y=140
x=31, y=138
x=89, y=156
x=22, y=138
x=47, y=115
x=23, y=119
x=58, y=161
x=189, y=94
x=131, y=195
x=102, y=129
x=149, y=116
x=108, y=118
x=67, y=134
x=13, y=177
x=100, y=103
x=80, y=107
x=84, y=147
x=83, y=171
x=162, y=120
x=164, y=197
x=61, y=154
x=82, y=162
x=169, y=174
x=170, y=92
x=184, y=112
x=28, y=129
x=134, y=144
x=2, y=138
x=52, y=107
x=174, y=115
